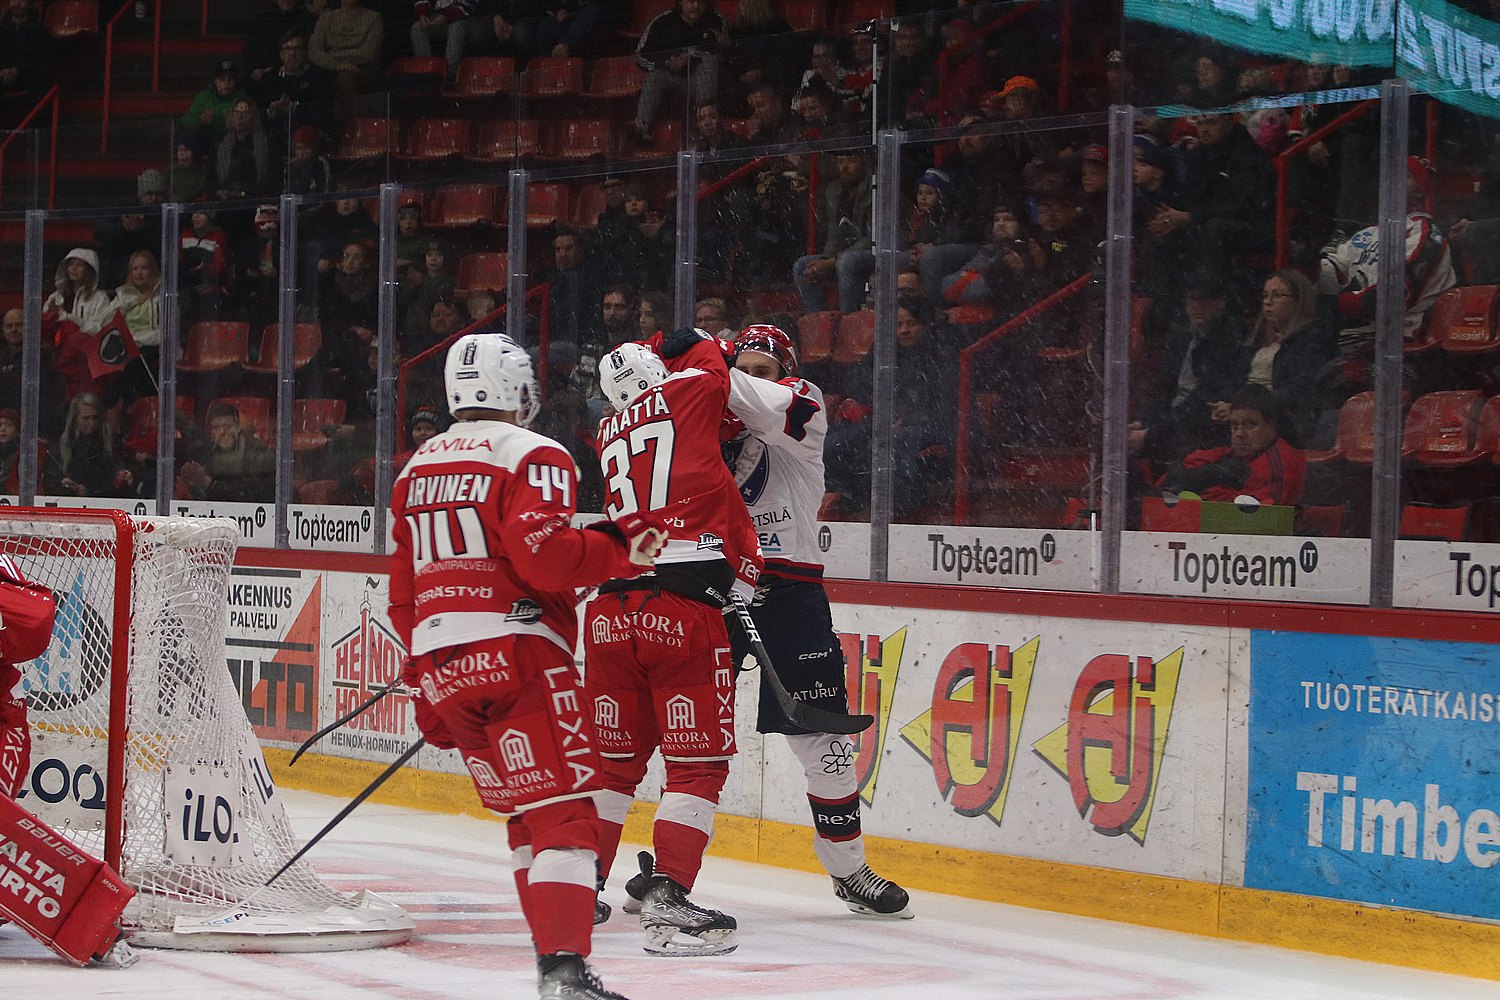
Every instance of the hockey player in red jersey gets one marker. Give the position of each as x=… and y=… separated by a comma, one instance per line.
x=657, y=652
x=26, y=614
x=482, y=592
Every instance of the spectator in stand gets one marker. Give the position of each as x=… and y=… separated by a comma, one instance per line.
x=761, y=48
x=1205, y=361
x=1228, y=210
x=10, y=451
x=79, y=301
x=206, y=115
x=680, y=54
x=925, y=408
x=845, y=220
x=563, y=28
x=972, y=196
x=52, y=394
x=907, y=68
x=1209, y=84
x=1061, y=253
x=621, y=310
x=347, y=223
x=444, y=21
x=206, y=266
x=1017, y=102
x=346, y=42
x=712, y=314
x=139, y=301
x=243, y=165
x=1289, y=345
x=1259, y=462
x=655, y=314
x=190, y=176
x=411, y=244
x=444, y=319
x=1093, y=179
x=238, y=466
x=908, y=282
x=296, y=95
x=577, y=289
x=823, y=67
x=492, y=27
x=819, y=108
x=308, y=172
x=710, y=135
x=1160, y=260
x=422, y=425
x=859, y=72
x=1477, y=234
x=770, y=121
x=1350, y=271
x=640, y=252
x=480, y=303
x=434, y=283
x=25, y=61
x=265, y=43
x=259, y=260
x=119, y=236
x=349, y=315
x=86, y=463
x=967, y=80
x=1000, y=273
x=935, y=236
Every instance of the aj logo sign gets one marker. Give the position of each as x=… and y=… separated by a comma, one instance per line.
x=871, y=666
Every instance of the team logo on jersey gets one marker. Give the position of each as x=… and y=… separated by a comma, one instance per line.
x=484, y=775
x=680, y=713
x=515, y=751
x=525, y=610
x=606, y=712
x=709, y=540
x=755, y=483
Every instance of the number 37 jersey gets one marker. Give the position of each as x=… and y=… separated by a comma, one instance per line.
x=661, y=454
x=484, y=545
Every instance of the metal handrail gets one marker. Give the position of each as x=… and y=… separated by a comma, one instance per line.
x=53, y=97
x=1004, y=20
x=965, y=379
x=1283, y=162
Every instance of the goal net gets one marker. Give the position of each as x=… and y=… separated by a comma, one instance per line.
x=142, y=753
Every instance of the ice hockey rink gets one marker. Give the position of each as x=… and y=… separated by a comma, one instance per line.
x=796, y=942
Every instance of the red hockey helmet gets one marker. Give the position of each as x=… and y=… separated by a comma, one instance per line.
x=763, y=338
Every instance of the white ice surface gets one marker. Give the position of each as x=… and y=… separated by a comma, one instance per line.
x=796, y=942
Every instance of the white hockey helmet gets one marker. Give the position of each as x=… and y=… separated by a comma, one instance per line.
x=627, y=371
x=489, y=371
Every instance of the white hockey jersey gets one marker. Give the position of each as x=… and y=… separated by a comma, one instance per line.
x=1350, y=271
x=778, y=464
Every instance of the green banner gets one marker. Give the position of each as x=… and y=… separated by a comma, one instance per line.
x=1331, y=32
x=1450, y=54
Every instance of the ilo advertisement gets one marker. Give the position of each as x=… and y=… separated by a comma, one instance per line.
x=1372, y=771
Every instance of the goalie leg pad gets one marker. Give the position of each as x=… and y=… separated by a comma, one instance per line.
x=15, y=742
x=61, y=896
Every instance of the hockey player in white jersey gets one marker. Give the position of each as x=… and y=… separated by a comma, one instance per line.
x=777, y=457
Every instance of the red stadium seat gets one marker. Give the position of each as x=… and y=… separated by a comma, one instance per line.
x=614, y=76
x=482, y=272
x=1466, y=320
x=855, y=337
x=322, y=491
x=588, y=205
x=461, y=205
x=552, y=77
x=545, y=204
x=306, y=339
x=1068, y=468
x=368, y=138
x=581, y=139
x=420, y=66
x=666, y=140
x=433, y=139
x=804, y=15
x=1434, y=523
x=309, y=417
x=480, y=77
x=71, y=18
x=815, y=334
x=1157, y=514
x=1442, y=429
x=1355, y=441
x=860, y=11
x=213, y=347
x=1487, y=441
x=255, y=415
x=503, y=140
x=1325, y=521
x=140, y=421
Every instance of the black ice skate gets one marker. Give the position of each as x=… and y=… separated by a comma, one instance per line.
x=869, y=895
x=635, y=889
x=675, y=925
x=566, y=977
x=602, y=910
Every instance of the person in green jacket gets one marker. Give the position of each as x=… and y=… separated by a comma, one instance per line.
x=206, y=114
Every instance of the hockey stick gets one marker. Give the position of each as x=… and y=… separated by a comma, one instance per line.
x=336, y=723
x=353, y=804
x=800, y=714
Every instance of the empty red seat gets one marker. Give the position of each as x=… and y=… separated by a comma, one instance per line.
x=479, y=77
x=310, y=417
x=589, y=203
x=1160, y=514
x=255, y=415
x=140, y=422
x=1355, y=441
x=461, y=205
x=1433, y=522
x=615, y=76
x=1466, y=320
x=505, y=140
x=815, y=334
x=479, y=272
x=1487, y=441
x=545, y=204
x=420, y=66
x=1442, y=429
x=71, y=18
x=322, y=491
x=552, y=77
x=773, y=300
x=367, y=138
x=436, y=139
x=581, y=139
x=666, y=140
x=214, y=347
x=306, y=339
x=855, y=337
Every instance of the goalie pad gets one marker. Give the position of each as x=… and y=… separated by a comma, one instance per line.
x=64, y=898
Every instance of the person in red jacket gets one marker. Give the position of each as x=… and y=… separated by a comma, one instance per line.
x=483, y=585
x=1257, y=463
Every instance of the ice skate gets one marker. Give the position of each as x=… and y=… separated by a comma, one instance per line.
x=869, y=895
x=567, y=977
x=635, y=888
x=602, y=910
x=675, y=925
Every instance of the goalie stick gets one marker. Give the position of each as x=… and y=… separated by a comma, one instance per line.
x=800, y=714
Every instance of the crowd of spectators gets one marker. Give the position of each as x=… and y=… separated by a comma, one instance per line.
x=1002, y=213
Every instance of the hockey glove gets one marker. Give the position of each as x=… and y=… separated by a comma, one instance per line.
x=429, y=722
x=679, y=341
x=643, y=533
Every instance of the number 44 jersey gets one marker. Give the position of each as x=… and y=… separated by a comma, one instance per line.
x=661, y=454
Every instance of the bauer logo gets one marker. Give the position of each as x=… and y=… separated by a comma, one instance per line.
x=971, y=733
x=1112, y=746
x=871, y=668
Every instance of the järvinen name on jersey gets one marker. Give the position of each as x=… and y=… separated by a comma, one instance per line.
x=466, y=487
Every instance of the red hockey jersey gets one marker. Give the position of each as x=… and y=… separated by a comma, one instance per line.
x=484, y=547
x=661, y=454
